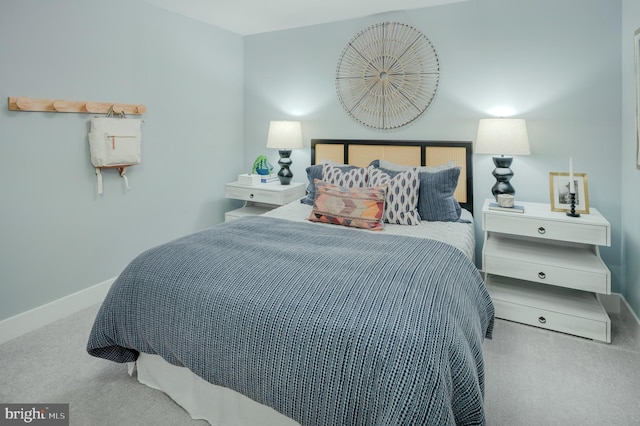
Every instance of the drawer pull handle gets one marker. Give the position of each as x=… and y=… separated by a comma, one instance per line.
x=541, y=230
x=542, y=275
x=542, y=320
x=250, y=195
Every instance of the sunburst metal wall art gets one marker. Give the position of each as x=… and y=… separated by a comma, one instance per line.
x=387, y=75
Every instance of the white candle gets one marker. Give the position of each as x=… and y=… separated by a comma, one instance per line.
x=572, y=189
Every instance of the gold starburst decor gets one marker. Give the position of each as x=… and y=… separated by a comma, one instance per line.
x=387, y=75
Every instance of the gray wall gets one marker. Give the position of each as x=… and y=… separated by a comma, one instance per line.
x=630, y=179
x=58, y=236
x=555, y=63
x=210, y=95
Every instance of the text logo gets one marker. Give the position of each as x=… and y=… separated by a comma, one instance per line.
x=34, y=414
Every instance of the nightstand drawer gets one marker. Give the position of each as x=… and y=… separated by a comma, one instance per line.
x=568, y=311
x=266, y=193
x=550, y=320
x=573, y=266
x=252, y=210
x=253, y=194
x=548, y=274
x=547, y=229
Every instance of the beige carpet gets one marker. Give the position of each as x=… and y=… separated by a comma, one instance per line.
x=533, y=377
x=542, y=378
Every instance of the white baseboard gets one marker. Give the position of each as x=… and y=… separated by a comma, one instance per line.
x=33, y=319
x=615, y=303
x=612, y=303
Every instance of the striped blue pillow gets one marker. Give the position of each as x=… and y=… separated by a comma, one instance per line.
x=436, y=202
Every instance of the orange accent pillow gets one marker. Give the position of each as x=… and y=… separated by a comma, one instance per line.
x=355, y=207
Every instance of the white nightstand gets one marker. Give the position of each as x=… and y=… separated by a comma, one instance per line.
x=544, y=268
x=261, y=198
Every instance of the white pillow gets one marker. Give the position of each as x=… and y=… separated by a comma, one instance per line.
x=430, y=169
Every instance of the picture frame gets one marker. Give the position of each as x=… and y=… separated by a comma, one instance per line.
x=559, y=192
x=636, y=48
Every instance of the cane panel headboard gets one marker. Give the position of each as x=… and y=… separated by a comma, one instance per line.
x=360, y=153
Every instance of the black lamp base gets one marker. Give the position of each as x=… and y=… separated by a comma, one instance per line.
x=285, y=174
x=503, y=174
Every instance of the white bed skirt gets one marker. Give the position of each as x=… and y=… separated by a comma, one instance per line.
x=218, y=405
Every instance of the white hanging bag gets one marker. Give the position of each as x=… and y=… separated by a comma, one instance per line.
x=115, y=143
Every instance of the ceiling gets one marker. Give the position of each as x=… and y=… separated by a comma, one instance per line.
x=246, y=17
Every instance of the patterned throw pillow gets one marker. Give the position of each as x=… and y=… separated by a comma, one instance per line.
x=315, y=172
x=436, y=201
x=355, y=207
x=355, y=177
x=402, y=195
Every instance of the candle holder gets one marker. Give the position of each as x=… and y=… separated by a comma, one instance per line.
x=572, y=212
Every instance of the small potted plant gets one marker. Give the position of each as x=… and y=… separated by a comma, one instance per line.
x=262, y=166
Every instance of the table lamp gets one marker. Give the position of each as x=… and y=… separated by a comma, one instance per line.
x=503, y=136
x=284, y=136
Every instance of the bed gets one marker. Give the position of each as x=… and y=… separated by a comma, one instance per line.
x=279, y=320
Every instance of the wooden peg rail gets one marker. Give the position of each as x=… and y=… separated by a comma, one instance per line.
x=61, y=105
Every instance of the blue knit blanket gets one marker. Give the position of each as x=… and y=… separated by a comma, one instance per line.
x=325, y=326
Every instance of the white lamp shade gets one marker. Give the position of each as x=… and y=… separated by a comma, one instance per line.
x=502, y=136
x=284, y=135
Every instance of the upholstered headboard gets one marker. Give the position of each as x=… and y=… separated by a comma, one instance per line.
x=411, y=153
